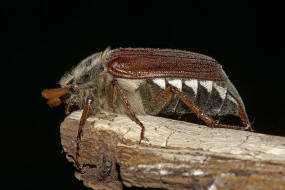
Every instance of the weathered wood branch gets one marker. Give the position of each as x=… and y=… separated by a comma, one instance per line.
x=174, y=155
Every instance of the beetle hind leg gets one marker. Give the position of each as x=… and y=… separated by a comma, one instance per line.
x=160, y=101
x=209, y=120
x=244, y=118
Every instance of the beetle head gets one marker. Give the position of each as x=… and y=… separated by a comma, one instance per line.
x=82, y=79
x=79, y=83
x=85, y=73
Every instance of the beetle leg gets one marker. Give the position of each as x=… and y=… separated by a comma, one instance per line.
x=207, y=119
x=67, y=108
x=112, y=96
x=244, y=117
x=128, y=107
x=160, y=101
x=80, y=129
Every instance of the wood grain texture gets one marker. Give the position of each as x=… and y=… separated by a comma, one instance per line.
x=174, y=155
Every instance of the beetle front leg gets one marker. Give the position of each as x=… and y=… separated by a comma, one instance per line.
x=116, y=85
x=112, y=96
x=67, y=108
x=80, y=129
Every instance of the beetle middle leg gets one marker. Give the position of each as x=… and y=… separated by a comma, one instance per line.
x=116, y=85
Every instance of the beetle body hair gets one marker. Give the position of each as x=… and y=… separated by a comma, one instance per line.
x=98, y=86
x=149, y=81
x=92, y=77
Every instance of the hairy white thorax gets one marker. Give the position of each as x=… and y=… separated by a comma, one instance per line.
x=90, y=78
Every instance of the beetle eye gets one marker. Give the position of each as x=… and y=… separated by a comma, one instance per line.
x=70, y=82
x=85, y=77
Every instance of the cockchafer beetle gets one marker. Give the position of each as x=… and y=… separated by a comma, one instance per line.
x=149, y=81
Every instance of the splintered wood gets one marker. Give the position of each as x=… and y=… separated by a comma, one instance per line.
x=173, y=155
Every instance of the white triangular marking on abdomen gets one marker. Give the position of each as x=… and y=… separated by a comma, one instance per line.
x=207, y=84
x=221, y=90
x=222, y=93
x=160, y=83
x=176, y=83
x=232, y=99
x=192, y=83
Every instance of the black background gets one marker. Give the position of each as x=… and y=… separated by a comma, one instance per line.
x=41, y=40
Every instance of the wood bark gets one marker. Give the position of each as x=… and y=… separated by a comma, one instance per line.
x=173, y=155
